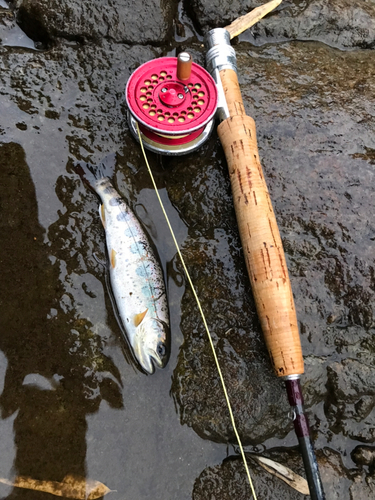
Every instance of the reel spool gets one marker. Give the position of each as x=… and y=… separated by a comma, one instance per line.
x=174, y=102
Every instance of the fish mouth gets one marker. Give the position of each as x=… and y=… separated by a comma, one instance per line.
x=151, y=346
x=159, y=361
x=150, y=361
x=148, y=366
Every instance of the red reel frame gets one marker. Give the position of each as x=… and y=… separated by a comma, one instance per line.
x=174, y=116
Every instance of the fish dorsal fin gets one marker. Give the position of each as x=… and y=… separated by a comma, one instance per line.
x=113, y=258
x=138, y=318
x=102, y=214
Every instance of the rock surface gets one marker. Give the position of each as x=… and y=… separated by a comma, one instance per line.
x=125, y=21
x=228, y=479
x=339, y=23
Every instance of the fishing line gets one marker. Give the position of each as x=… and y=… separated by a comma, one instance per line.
x=203, y=318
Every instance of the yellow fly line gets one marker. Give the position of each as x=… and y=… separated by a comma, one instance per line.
x=203, y=318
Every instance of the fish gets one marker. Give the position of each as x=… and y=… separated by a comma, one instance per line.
x=135, y=275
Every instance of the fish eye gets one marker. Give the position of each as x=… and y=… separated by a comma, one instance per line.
x=160, y=349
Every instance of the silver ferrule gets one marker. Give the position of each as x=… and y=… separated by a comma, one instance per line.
x=217, y=36
x=292, y=377
x=220, y=54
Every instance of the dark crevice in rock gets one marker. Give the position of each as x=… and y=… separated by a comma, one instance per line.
x=192, y=11
x=33, y=28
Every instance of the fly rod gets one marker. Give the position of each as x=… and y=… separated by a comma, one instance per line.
x=260, y=238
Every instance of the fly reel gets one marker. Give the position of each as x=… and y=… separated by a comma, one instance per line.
x=174, y=102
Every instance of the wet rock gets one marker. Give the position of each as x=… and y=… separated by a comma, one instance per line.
x=337, y=479
x=73, y=91
x=45, y=99
x=339, y=482
x=75, y=94
x=314, y=381
x=350, y=406
x=120, y=20
x=11, y=34
x=314, y=110
x=7, y=21
x=362, y=487
x=40, y=341
x=339, y=23
x=217, y=13
x=324, y=225
x=364, y=455
x=229, y=480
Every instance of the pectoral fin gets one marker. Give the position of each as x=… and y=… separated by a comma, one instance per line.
x=138, y=318
x=102, y=214
x=113, y=258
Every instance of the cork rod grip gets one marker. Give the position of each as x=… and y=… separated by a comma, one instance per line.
x=260, y=237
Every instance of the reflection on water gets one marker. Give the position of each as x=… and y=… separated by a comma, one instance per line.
x=15, y=37
x=56, y=373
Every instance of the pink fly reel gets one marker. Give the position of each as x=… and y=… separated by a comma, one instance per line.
x=174, y=102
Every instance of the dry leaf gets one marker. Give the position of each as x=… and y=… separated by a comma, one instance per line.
x=294, y=480
x=70, y=487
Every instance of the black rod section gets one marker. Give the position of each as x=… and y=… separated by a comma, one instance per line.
x=301, y=426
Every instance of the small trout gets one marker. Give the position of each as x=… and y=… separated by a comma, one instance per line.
x=136, y=277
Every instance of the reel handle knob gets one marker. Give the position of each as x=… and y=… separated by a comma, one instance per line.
x=184, y=62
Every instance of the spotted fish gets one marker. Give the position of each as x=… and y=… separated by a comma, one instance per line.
x=136, y=277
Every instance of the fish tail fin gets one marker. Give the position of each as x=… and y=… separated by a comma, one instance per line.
x=90, y=174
